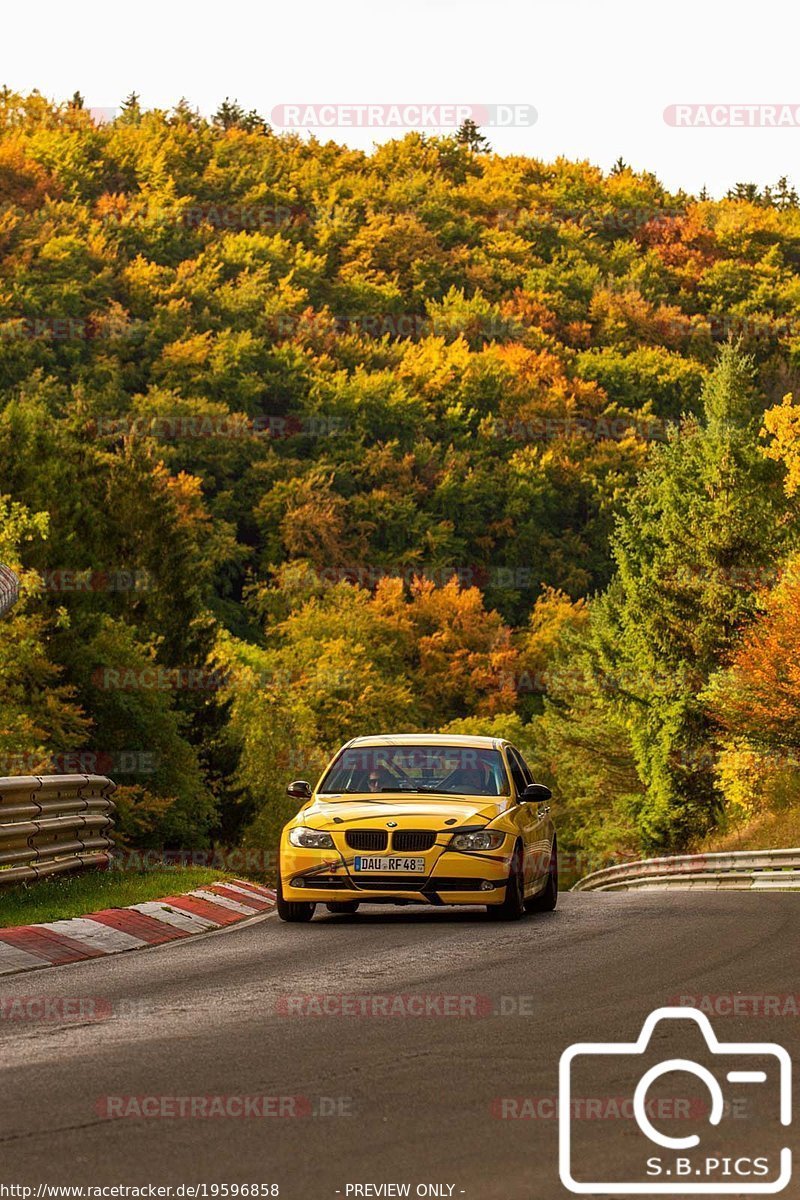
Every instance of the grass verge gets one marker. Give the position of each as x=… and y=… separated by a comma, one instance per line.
x=75, y=895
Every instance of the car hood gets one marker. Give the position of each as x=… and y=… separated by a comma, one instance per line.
x=418, y=812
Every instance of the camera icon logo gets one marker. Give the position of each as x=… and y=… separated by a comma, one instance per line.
x=682, y=1165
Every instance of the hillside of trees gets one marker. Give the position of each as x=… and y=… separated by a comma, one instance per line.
x=300, y=443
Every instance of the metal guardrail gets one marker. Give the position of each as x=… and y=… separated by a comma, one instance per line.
x=50, y=824
x=745, y=870
x=9, y=589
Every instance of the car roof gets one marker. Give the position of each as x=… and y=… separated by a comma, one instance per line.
x=429, y=739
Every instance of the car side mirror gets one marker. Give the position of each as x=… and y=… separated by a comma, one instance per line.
x=299, y=790
x=536, y=792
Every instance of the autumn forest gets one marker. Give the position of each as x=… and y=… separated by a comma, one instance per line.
x=300, y=443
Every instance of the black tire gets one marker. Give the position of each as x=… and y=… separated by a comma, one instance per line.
x=548, y=896
x=342, y=906
x=513, y=906
x=292, y=910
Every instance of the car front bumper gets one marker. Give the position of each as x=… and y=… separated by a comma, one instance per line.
x=449, y=878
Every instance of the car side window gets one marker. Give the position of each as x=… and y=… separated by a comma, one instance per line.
x=517, y=774
x=526, y=771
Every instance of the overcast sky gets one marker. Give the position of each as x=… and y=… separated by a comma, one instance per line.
x=599, y=73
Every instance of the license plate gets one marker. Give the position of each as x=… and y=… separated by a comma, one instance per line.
x=395, y=865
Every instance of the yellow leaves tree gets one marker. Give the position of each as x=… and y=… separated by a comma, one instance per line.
x=759, y=694
x=782, y=424
x=346, y=661
x=465, y=661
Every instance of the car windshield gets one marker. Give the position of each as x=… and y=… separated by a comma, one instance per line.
x=440, y=770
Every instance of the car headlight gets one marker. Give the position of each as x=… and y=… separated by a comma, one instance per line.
x=480, y=839
x=310, y=839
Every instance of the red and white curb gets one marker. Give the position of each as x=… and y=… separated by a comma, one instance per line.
x=113, y=930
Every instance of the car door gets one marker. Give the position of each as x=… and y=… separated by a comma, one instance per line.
x=535, y=823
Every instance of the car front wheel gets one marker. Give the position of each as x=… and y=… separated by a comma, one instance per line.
x=513, y=906
x=292, y=910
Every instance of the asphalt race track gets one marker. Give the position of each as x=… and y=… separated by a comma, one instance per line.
x=414, y=1098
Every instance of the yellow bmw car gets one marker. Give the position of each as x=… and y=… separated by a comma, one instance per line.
x=420, y=819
